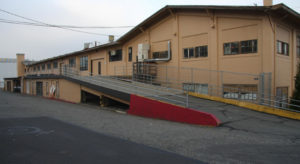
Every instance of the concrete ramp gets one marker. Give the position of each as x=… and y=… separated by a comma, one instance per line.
x=146, y=100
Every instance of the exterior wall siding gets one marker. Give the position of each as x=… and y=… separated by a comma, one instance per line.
x=192, y=29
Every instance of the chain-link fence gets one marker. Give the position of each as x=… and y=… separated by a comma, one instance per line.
x=255, y=88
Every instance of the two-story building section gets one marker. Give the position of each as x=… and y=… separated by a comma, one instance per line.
x=197, y=48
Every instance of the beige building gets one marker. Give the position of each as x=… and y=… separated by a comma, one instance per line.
x=198, y=48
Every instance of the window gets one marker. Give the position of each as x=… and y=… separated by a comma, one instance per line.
x=130, y=54
x=201, y=51
x=160, y=55
x=43, y=67
x=195, y=87
x=298, y=46
x=248, y=46
x=231, y=48
x=55, y=64
x=242, y=47
x=188, y=52
x=34, y=68
x=38, y=68
x=72, y=62
x=115, y=55
x=240, y=91
x=83, y=63
x=282, y=48
x=49, y=66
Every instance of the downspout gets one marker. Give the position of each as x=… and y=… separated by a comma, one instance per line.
x=168, y=58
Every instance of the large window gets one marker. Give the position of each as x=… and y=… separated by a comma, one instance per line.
x=130, y=54
x=201, y=51
x=115, y=55
x=298, y=46
x=282, y=48
x=188, y=53
x=72, y=62
x=83, y=63
x=242, y=47
x=160, y=55
x=55, y=65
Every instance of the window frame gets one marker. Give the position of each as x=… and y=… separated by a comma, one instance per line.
x=43, y=67
x=189, y=50
x=84, y=62
x=117, y=57
x=49, y=66
x=203, y=48
x=72, y=62
x=236, y=47
x=230, y=48
x=252, y=46
x=282, y=48
x=55, y=65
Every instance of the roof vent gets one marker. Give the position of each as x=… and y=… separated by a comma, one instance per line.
x=111, y=38
x=268, y=2
x=86, y=45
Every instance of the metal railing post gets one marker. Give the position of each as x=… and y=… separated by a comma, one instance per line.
x=222, y=86
x=187, y=100
x=166, y=75
x=192, y=75
x=261, y=88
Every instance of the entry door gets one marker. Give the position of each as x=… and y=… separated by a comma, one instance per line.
x=8, y=86
x=99, y=68
x=39, y=88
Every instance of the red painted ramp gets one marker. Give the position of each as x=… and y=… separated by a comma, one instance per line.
x=146, y=107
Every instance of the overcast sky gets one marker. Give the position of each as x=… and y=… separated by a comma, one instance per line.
x=41, y=42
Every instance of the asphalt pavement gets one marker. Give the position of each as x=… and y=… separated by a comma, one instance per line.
x=252, y=138
x=46, y=140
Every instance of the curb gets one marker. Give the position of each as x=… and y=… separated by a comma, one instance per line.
x=252, y=106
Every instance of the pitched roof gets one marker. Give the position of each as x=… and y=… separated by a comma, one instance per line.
x=279, y=10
